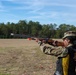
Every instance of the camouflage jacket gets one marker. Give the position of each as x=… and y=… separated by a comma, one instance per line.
x=55, y=51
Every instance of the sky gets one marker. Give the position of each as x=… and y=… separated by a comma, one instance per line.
x=43, y=11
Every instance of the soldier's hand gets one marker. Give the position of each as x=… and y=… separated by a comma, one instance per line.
x=55, y=43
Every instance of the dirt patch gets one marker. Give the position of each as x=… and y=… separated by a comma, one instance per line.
x=23, y=57
x=16, y=43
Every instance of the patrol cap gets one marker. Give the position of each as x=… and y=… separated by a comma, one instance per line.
x=69, y=33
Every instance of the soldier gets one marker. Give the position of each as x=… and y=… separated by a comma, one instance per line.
x=66, y=62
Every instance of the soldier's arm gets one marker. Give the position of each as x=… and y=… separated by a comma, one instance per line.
x=50, y=50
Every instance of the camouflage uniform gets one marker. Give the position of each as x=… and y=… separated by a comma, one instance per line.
x=51, y=50
x=66, y=63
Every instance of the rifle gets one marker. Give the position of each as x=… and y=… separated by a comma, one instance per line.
x=43, y=40
x=48, y=41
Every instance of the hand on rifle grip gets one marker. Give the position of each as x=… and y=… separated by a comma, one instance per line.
x=44, y=41
x=36, y=39
x=54, y=43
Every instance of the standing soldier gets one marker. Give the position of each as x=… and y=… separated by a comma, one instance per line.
x=66, y=57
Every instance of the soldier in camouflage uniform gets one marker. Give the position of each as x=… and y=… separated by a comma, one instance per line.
x=66, y=62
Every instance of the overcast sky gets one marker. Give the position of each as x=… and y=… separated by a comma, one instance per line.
x=43, y=11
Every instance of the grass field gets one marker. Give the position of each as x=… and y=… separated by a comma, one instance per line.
x=23, y=57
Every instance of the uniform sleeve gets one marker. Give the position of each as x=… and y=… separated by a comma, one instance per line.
x=64, y=52
x=51, y=50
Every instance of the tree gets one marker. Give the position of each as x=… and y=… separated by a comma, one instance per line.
x=4, y=30
x=22, y=27
x=34, y=28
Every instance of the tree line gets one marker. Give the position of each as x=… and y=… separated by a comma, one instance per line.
x=34, y=29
